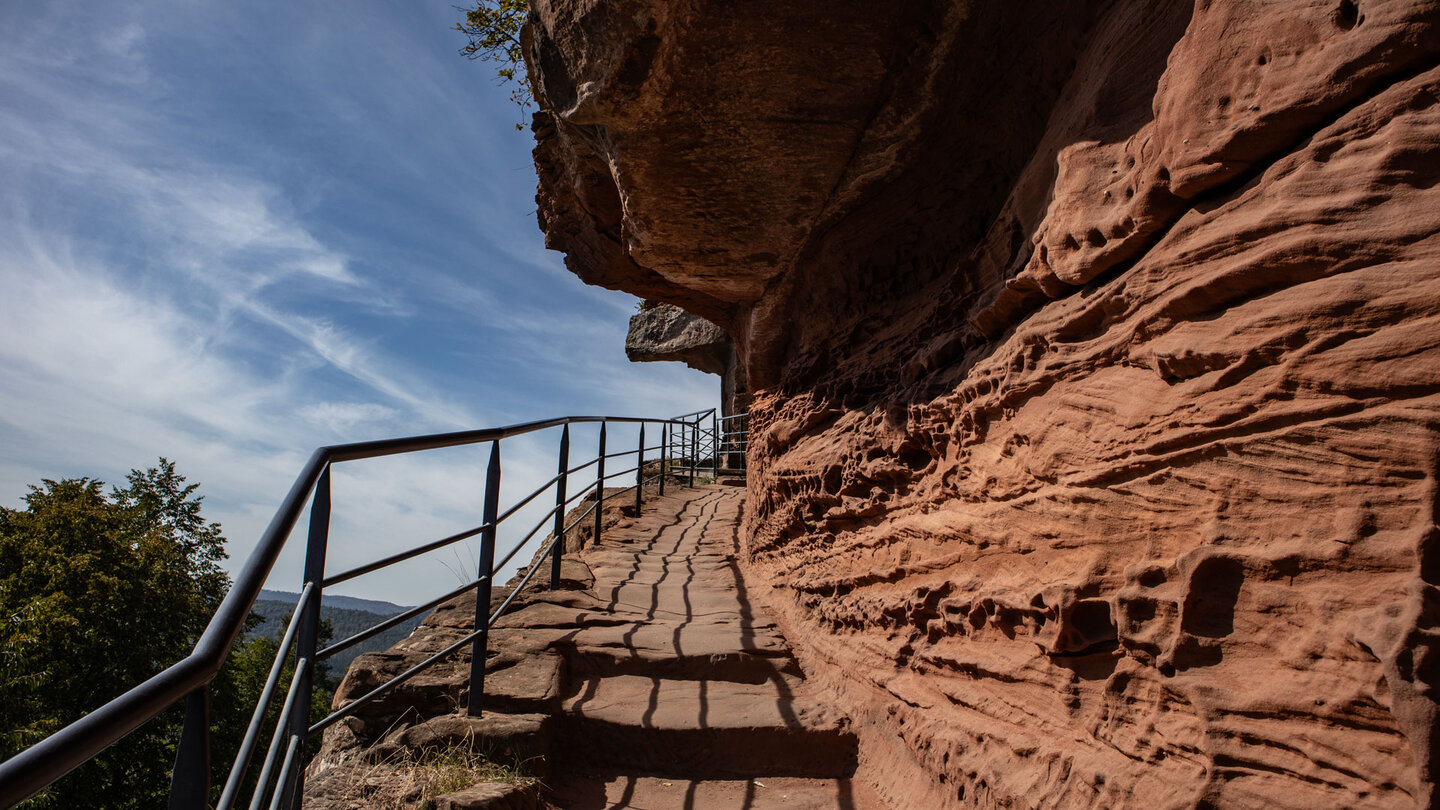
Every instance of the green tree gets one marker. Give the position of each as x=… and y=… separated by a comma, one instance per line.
x=97, y=599
x=98, y=594
x=493, y=28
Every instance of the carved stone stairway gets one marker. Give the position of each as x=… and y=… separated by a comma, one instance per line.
x=651, y=681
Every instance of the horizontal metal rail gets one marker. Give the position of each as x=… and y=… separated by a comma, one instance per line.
x=257, y=719
x=346, y=644
x=386, y=562
x=353, y=706
x=48, y=760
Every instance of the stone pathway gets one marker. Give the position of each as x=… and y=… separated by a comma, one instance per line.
x=653, y=682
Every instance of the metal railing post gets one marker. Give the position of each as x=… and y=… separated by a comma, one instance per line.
x=694, y=448
x=560, y=508
x=282, y=781
x=307, y=641
x=486, y=574
x=190, y=781
x=599, y=485
x=640, y=470
x=715, y=444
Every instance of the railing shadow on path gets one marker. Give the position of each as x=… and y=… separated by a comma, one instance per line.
x=281, y=778
x=844, y=792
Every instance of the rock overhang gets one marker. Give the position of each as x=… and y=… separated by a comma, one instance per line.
x=1098, y=394
x=705, y=154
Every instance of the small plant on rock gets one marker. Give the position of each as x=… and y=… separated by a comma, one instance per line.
x=453, y=770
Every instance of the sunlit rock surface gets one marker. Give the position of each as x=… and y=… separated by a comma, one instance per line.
x=1096, y=353
x=665, y=332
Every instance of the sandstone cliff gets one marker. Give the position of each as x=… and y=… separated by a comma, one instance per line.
x=665, y=332
x=1095, y=349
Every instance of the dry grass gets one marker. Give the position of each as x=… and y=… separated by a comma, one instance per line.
x=454, y=770
x=413, y=780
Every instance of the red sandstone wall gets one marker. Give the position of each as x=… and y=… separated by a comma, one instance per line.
x=1097, y=361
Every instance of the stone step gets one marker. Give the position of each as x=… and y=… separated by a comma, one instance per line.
x=677, y=569
x=734, y=667
x=705, y=729
x=682, y=609
x=699, y=651
x=676, y=574
x=627, y=792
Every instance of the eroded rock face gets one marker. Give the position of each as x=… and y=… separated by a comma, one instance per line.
x=665, y=332
x=1096, y=350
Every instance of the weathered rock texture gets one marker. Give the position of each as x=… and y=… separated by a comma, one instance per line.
x=1096, y=351
x=648, y=679
x=665, y=332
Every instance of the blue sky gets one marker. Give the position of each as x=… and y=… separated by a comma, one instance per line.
x=231, y=232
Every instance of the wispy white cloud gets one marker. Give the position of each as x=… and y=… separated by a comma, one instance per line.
x=228, y=236
x=114, y=379
x=343, y=417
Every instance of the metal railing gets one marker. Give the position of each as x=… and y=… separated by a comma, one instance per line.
x=696, y=433
x=734, y=440
x=30, y=771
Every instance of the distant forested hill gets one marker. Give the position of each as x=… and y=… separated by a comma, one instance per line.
x=347, y=616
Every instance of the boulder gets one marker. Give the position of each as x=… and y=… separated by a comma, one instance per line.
x=667, y=332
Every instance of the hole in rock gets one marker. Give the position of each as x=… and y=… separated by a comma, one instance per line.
x=1090, y=622
x=1347, y=16
x=1190, y=654
x=1071, y=243
x=977, y=617
x=1429, y=557
x=1151, y=578
x=1096, y=665
x=915, y=459
x=1139, y=611
x=1209, y=609
x=1163, y=175
x=1095, y=238
x=1263, y=59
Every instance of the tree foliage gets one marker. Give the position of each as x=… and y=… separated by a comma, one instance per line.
x=98, y=594
x=493, y=28
x=236, y=691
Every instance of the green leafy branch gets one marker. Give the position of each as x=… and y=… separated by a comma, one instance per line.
x=493, y=28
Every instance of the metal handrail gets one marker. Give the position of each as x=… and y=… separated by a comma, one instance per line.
x=35, y=768
x=734, y=439
x=347, y=643
x=257, y=719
